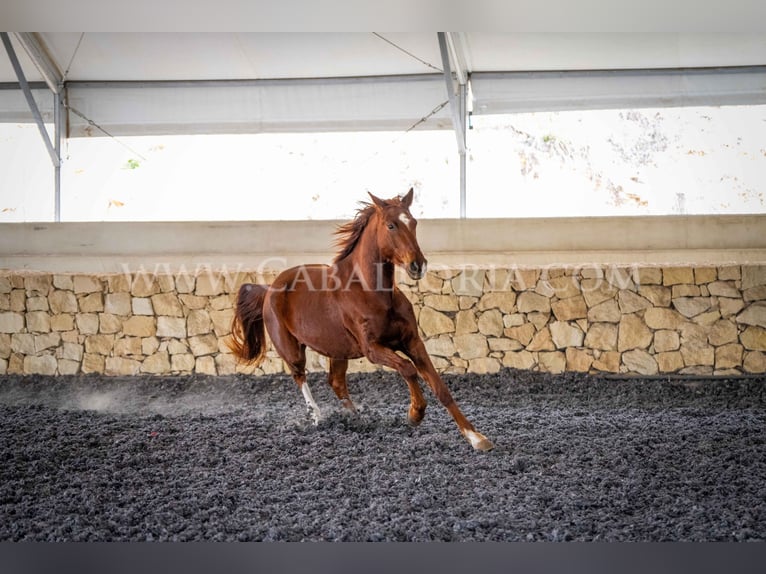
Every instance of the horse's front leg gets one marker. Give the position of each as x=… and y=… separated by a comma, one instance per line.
x=382, y=355
x=417, y=352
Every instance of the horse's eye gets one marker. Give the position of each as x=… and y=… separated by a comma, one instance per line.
x=391, y=226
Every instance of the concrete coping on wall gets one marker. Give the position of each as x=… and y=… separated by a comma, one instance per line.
x=119, y=247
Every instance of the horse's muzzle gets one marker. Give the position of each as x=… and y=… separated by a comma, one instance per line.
x=416, y=270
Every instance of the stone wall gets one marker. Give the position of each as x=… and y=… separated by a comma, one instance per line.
x=640, y=319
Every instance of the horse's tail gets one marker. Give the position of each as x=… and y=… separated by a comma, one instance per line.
x=248, y=337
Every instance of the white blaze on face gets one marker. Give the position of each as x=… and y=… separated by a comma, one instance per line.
x=405, y=219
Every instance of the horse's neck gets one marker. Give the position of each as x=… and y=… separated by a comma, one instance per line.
x=366, y=266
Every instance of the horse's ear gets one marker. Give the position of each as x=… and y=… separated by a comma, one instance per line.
x=407, y=199
x=381, y=203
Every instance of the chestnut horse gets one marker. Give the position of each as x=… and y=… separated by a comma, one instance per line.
x=349, y=310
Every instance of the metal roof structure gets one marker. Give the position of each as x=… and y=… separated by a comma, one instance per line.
x=181, y=83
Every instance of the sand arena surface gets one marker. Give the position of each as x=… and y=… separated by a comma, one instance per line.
x=577, y=457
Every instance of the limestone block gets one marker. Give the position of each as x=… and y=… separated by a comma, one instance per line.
x=67, y=367
x=503, y=344
x=5, y=285
x=72, y=351
x=596, y=291
x=203, y=345
x=209, y=283
x=539, y=320
x=177, y=347
x=166, y=283
x=606, y=312
x=142, y=306
x=222, y=321
x=753, y=276
x=46, y=341
x=434, y=323
x=144, y=285
x=542, y=341
x=665, y=341
x=484, y=365
x=754, y=338
x=198, y=323
x=722, y=332
x=441, y=346
x=23, y=343
x=40, y=365
x=754, y=314
x=431, y=283
x=92, y=363
x=441, y=302
x=226, y=364
x=524, y=279
x=513, y=320
x=676, y=275
x=569, y=309
x=5, y=302
x=660, y=318
x=608, y=362
x=729, y=307
x=469, y=282
x=185, y=284
x=128, y=347
x=696, y=352
x=63, y=282
x=639, y=361
x=755, y=362
x=37, y=304
x=602, y=336
x=529, y=301
x=503, y=300
x=38, y=322
x=150, y=345
x=552, y=362
x=658, y=295
x=620, y=277
x=544, y=288
x=724, y=289
x=62, y=302
x=670, y=362
x=138, y=326
x=755, y=294
x=705, y=275
x=729, y=273
x=99, y=344
x=684, y=290
x=62, y=322
x=692, y=306
x=3, y=366
x=109, y=324
x=156, y=364
x=565, y=335
x=119, y=283
x=519, y=360
x=633, y=334
x=171, y=327
x=631, y=302
x=15, y=364
x=565, y=287
x=226, y=301
x=579, y=360
x=707, y=319
x=121, y=366
x=38, y=284
x=471, y=346
x=206, y=366
x=728, y=356
x=118, y=304
x=182, y=363
x=5, y=345
x=18, y=300
x=193, y=301
x=491, y=323
x=167, y=304
x=87, y=284
x=647, y=276
x=523, y=333
x=11, y=322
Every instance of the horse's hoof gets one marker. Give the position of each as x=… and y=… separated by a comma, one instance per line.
x=415, y=416
x=479, y=441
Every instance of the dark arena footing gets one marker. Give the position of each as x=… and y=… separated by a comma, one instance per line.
x=577, y=457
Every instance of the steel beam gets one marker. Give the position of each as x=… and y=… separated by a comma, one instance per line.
x=42, y=59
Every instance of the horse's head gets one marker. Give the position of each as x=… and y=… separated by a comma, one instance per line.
x=396, y=234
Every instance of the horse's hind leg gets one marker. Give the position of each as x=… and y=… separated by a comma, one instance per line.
x=337, y=380
x=294, y=355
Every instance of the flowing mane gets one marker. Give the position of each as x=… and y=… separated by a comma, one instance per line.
x=349, y=233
